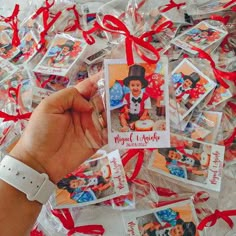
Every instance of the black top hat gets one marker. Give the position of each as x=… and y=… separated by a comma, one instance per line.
x=69, y=44
x=194, y=77
x=136, y=72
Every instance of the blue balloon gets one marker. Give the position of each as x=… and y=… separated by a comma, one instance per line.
x=177, y=78
x=116, y=94
x=53, y=51
x=194, y=31
x=177, y=171
x=168, y=216
x=83, y=196
x=158, y=68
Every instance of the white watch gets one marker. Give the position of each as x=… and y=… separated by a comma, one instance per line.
x=36, y=186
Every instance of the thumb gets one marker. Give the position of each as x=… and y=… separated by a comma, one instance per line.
x=64, y=100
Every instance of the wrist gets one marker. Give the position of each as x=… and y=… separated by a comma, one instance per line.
x=29, y=160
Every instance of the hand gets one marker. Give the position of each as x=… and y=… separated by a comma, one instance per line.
x=60, y=135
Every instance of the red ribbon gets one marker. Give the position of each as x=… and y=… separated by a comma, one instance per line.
x=47, y=25
x=130, y=154
x=36, y=232
x=172, y=5
x=114, y=25
x=229, y=3
x=86, y=34
x=219, y=75
x=211, y=220
x=19, y=116
x=45, y=11
x=223, y=19
x=232, y=106
x=201, y=196
x=51, y=77
x=230, y=139
x=15, y=118
x=66, y=219
x=161, y=27
x=13, y=22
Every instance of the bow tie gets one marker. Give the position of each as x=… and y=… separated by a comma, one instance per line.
x=136, y=100
x=166, y=233
x=181, y=89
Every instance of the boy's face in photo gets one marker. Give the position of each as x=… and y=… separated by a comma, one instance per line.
x=135, y=87
x=187, y=83
x=65, y=50
x=75, y=183
x=177, y=230
x=174, y=155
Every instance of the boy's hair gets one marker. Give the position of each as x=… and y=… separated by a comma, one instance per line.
x=69, y=44
x=65, y=183
x=165, y=153
x=193, y=77
x=189, y=228
x=209, y=31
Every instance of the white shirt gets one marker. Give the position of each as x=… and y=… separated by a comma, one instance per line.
x=181, y=90
x=135, y=106
x=163, y=232
x=187, y=160
x=92, y=181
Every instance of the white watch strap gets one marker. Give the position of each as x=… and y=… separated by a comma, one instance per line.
x=36, y=186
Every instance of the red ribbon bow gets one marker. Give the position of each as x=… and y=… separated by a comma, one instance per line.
x=230, y=139
x=211, y=220
x=13, y=22
x=86, y=34
x=46, y=25
x=219, y=75
x=201, y=196
x=232, y=106
x=223, y=19
x=172, y=5
x=114, y=25
x=140, y=158
x=66, y=219
x=19, y=116
x=230, y=3
x=45, y=11
x=15, y=118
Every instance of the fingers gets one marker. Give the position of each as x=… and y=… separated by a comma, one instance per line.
x=64, y=100
x=92, y=133
x=88, y=87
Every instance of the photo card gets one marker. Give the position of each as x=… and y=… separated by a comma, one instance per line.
x=204, y=126
x=7, y=50
x=137, y=104
x=190, y=87
x=173, y=219
x=95, y=181
x=27, y=49
x=219, y=95
x=6, y=69
x=19, y=86
x=202, y=35
x=61, y=55
x=189, y=161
